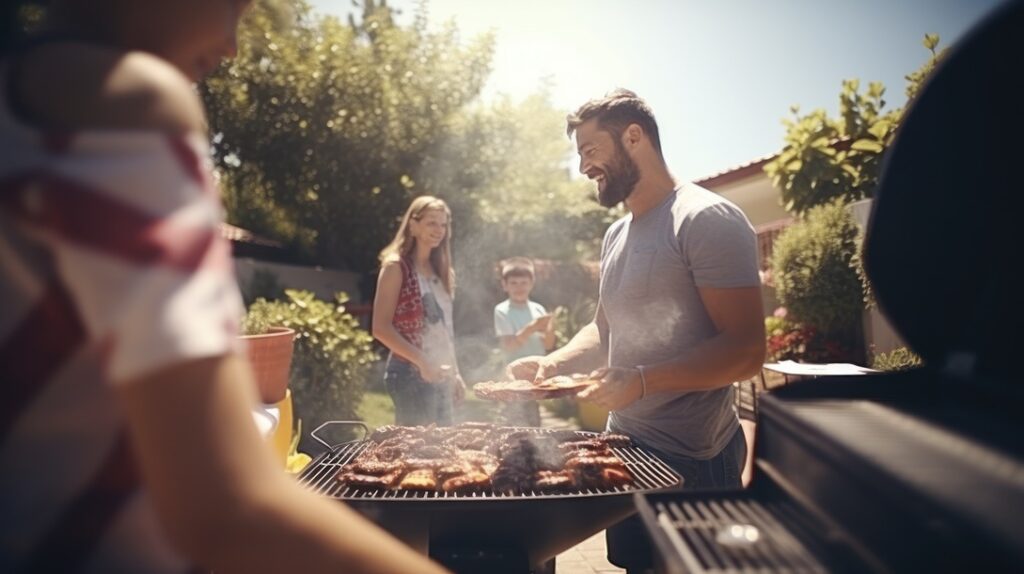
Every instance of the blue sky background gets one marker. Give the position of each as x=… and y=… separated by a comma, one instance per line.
x=720, y=75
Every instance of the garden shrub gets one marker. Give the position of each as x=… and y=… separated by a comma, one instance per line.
x=812, y=270
x=333, y=355
x=900, y=359
x=792, y=341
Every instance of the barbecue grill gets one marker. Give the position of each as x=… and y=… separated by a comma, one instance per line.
x=917, y=471
x=491, y=531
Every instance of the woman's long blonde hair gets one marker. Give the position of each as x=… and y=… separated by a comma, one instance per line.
x=401, y=247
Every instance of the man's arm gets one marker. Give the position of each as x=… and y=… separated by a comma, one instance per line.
x=735, y=353
x=218, y=493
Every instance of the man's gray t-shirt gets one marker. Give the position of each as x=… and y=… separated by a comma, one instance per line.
x=651, y=269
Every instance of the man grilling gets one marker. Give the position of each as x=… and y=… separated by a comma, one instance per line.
x=679, y=316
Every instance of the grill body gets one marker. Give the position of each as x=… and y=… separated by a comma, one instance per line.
x=900, y=472
x=492, y=531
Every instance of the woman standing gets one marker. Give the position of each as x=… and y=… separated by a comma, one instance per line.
x=412, y=316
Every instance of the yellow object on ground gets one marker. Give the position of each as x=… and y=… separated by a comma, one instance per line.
x=297, y=462
x=593, y=417
x=281, y=439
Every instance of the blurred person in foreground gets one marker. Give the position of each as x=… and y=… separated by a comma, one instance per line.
x=524, y=328
x=679, y=315
x=412, y=316
x=127, y=439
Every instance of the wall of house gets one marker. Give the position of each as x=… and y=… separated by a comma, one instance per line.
x=321, y=281
x=756, y=197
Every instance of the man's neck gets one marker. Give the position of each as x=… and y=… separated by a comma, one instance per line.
x=519, y=302
x=655, y=184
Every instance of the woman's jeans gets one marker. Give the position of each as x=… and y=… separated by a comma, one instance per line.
x=628, y=545
x=417, y=402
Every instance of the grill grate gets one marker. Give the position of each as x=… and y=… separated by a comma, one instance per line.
x=693, y=527
x=649, y=473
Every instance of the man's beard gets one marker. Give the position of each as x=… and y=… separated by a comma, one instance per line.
x=620, y=178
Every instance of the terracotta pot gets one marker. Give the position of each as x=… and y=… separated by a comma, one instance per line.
x=270, y=355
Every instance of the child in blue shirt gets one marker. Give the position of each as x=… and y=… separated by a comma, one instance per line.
x=523, y=328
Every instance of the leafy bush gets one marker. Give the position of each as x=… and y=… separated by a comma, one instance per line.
x=793, y=341
x=858, y=265
x=900, y=359
x=256, y=324
x=812, y=270
x=333, y=355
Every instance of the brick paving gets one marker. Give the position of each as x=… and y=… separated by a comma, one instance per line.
x=587, y=557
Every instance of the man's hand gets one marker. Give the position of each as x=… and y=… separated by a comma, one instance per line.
x=458, y=389
x=616, y=388
x=533, y=368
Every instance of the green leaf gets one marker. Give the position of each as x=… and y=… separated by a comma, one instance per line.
x=867, y=145
x=931, y=41
x=880, y=129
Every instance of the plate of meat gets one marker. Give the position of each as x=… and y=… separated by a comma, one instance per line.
x=522, y=390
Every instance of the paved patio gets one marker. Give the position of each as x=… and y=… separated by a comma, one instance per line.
x=587, y=557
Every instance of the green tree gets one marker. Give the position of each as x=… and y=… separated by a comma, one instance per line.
x=325, y=131
x=505, y=176
x=321, y=126
x=826, y=158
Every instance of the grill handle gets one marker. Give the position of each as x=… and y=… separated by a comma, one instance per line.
x=361, y=424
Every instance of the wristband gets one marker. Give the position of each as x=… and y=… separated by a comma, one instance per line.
x=643, y=381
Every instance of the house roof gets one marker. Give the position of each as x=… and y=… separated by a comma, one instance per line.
x=238, y=235
x=735, y=173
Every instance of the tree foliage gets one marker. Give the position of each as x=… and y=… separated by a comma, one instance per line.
x=826, y=158
x=325, y=131
x=322, y=126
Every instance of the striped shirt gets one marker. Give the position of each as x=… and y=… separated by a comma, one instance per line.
x=111, y=267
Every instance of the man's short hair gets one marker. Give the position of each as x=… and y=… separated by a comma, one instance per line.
x=614, y=113
x=517, y=267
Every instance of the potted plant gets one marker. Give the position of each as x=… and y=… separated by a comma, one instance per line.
x=269, y=349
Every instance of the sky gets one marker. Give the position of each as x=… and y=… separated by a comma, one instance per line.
x=719, y=74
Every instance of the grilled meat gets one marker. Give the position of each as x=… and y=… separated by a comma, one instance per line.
x=373, y=467
x=553, y=481
x=470, y=482
x=369, y=481
x=423, y=479
x=478, y=456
